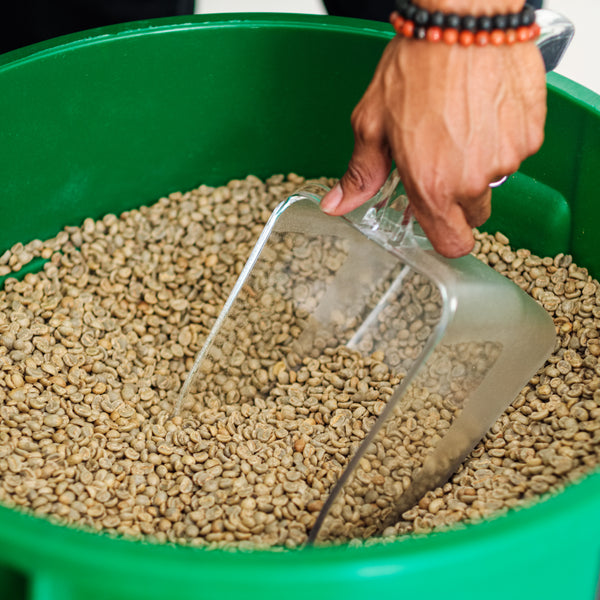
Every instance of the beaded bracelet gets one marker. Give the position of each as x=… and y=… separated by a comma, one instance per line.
x=412, y=21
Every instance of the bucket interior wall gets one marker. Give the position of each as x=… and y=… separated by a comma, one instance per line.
x=110, y=120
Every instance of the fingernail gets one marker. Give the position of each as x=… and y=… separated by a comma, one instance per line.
x=332, y=199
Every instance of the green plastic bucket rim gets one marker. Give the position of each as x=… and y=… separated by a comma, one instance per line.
x=584, y=97
x=79, y=549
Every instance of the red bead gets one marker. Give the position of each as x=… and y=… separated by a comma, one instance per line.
x=408, y=28
x=397, y=21
x=510, y=36
x=497, y=37
x=523, y=34
x=450, y=36
x=466, y=38
x=482, y=38
x=434, y=34
x=534, y=31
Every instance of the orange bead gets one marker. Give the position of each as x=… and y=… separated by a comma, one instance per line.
x=497, y=37
x=450, y=36
x=434, y=34
x=523, y=34
x=466, y=38
x=482, y=38
x=534, y=31
x=397, y=21
x=510, y=36
x=408, y=29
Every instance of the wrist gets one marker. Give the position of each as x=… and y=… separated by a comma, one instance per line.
x=413, y=20
x=473, y=7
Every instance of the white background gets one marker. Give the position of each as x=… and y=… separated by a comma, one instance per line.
x=581, y=62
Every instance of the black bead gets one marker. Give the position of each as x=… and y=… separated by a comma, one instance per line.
x=436, y=19
x=410, y=12
x=513, y=20
x=500, y=22
x=469, y=23
x=421, y=17
x=484, y=23
x=527, y=15
x=420, y=33
x=452, y=21
x=401, y=5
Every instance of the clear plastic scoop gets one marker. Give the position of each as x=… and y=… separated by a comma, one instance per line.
x=448, y=344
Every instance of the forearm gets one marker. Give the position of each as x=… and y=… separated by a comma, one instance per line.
x=472, y=7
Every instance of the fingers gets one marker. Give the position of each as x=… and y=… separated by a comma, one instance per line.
x=448, y=223
x=367, y=171
x=477, y=210
x=450, y=235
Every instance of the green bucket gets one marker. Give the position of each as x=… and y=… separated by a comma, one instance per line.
x=108, y=120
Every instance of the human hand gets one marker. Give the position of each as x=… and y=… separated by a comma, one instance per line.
x=454, y=119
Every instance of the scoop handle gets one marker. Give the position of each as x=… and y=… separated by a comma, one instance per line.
x=555, y=36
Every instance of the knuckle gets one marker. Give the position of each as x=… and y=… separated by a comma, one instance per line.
x=451, y=192
x=536, y=139
x=474, y=188
x=365, y=125
x=452, y=244
x=479, y=214
x=509, y=165
x=462, y=247
x=432, y=191
x=455, y=246
x=356, y=177
x=357, y=117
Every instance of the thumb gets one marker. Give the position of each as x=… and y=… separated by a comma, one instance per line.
x=367, y=171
